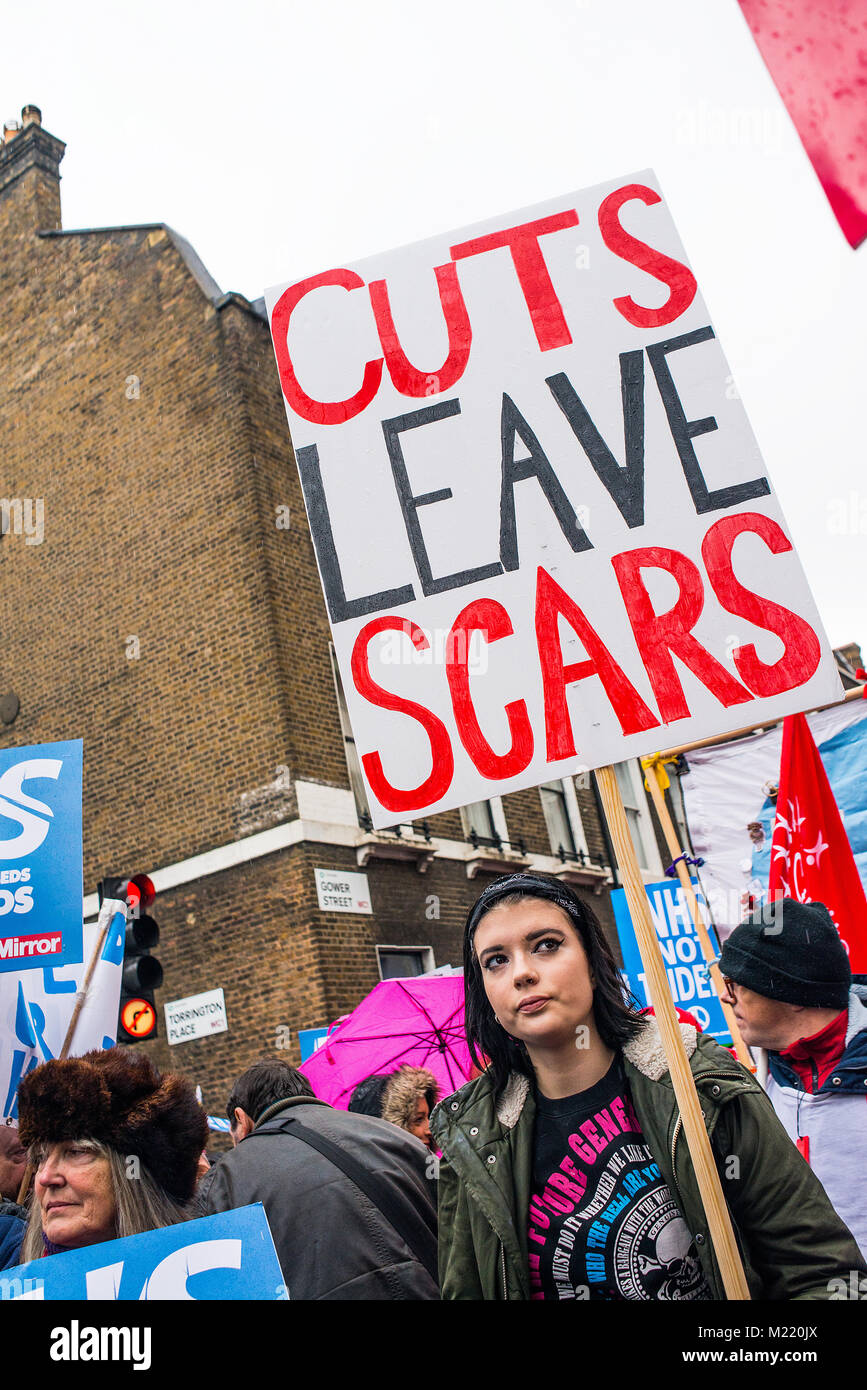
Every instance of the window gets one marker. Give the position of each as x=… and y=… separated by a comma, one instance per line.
x=563, y=819
x=679, y=809
x=353, y=763
x=479, y=816
x=630, y=779
x=557, y=819
x=400, y=962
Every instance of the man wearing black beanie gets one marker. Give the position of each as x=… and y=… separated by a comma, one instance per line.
x=789, y=983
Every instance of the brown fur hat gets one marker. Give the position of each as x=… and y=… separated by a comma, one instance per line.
x=405, y=1088
x=120, y=1099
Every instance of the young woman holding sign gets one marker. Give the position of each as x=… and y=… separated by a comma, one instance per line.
x=565, y=1172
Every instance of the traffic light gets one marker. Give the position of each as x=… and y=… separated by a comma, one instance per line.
x=141, y=972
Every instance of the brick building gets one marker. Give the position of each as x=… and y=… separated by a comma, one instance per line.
x=161, y=601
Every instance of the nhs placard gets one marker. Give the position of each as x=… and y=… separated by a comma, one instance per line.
x=227, y=1256
x=40, y=856
x=688, y=980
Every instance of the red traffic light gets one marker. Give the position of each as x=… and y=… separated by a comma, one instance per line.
x=140, y=891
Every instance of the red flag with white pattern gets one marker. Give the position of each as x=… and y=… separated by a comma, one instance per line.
x=811, y=857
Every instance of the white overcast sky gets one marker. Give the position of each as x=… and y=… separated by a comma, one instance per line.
x=283, y=138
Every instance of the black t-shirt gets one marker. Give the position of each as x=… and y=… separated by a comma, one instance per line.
x=603, y=1224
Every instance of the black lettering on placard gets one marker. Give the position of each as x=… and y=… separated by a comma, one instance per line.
x=625, y=484
x=409, y=503
x=683, y=431
x=536, y=465
x=339, y=607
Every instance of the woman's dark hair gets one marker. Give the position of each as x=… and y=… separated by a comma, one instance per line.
x=368, y=1096
x=616, y=1019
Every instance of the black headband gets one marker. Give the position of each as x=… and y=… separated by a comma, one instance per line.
x=529, y=886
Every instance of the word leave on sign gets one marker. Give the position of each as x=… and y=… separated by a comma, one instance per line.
x=545, y=533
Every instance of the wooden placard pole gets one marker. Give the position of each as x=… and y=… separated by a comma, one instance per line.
x=653, y=768
x=710, y=1188
x=105, y=919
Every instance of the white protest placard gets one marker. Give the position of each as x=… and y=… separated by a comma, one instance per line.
x=545, y=532
x=36, y=1006
x=341, y=892
x=197, y=1016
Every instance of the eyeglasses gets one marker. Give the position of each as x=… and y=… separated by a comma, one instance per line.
x=731, y=987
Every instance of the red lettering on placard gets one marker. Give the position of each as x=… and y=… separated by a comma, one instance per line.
x=546, y=312
x=552, y=603
x=407, y=378
x=319, y=412
x=657, y=635
x=802, y=652
x=490, y=618
x=443, y=763
x=679, y=278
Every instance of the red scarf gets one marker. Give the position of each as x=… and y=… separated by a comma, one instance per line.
x=815, y=1058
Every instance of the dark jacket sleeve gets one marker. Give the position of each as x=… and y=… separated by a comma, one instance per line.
x=458, y=1271
x=11, y=1235
x=216, y=1191
x=795, y=1239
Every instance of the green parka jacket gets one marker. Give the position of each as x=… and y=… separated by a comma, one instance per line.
x=791, y=1240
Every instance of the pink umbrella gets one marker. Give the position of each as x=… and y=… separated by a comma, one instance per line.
x=418, y=1021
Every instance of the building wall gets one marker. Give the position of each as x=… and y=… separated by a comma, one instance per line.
x=171, y=616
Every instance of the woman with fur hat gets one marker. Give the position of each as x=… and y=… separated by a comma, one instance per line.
x=565, y=1174
x=115, y=1148
x=405, y=1098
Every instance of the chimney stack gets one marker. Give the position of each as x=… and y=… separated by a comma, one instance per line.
x=29, y=176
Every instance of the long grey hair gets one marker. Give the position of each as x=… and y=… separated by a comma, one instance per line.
x=139, y=1203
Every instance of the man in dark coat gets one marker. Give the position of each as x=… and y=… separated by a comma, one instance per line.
x=349, y=1199
x=13, y=1218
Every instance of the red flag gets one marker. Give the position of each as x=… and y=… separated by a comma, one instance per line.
x=811, y=858
x=816, y=54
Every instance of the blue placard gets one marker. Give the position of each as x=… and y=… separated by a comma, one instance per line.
x=688, y=980
x=227, y=1256
x=40, y=856
x=310, y=1039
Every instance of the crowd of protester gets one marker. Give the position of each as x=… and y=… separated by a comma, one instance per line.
x=560, y=1172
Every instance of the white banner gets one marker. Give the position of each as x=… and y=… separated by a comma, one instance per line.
x=731, y=816
x=36, y=1007
x=544, y=529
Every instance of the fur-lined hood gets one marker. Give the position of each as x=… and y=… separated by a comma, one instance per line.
x=405, y=1088
x=645, y=1052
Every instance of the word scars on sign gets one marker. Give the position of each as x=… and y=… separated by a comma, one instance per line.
x=544, y=530
x=198, y=1016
